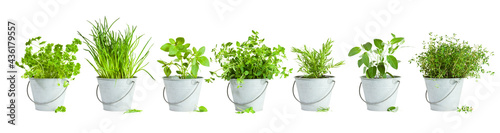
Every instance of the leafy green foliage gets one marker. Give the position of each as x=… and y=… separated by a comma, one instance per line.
x=323, y=109
x=113, y=51
x=250, y=60
x=316, y=63
x=201, y=109
x=376, y=60
x=187, y=61
x=51, y=60
x=465, y=109
x=450, y=57
x=393, y=109
x=248, y=110
x=132, y=111
x=60, y=109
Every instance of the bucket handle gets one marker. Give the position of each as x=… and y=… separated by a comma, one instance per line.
x=293, y=92
x=27, y=86
x=227, y=92
x=197, y=83
x=455, y=82
x=97, y=90
x=397, y=87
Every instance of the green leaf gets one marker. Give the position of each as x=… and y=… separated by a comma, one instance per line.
x=165, y=47
x=365, y=59
x=394, y=36
x=392, y=109
x=201, y=109
x=132, y=111
x=167, y=71
x=354, y=51
x=371, y=72
x=172, y=41
x=60, y=109
x=379, y=43
x=381, y=69
x=172, y=51
x=201, y=51
x=204, y=61
x=367, y=46
x=392, y=61
x=179, y=40
x=194, y=69
x=360, y=62
x=396, y=40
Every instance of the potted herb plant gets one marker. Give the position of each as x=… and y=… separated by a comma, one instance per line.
x=380, y=86
x=445, y=63
x=248, y=66
x=116, y=63
x=183, y=91
x=315, y=87
x=49, y=70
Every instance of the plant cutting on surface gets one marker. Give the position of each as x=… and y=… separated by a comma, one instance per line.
x=449, y=57
x=251, y=59
x=132, y=111
x=60, y=109
x=187, y=61
x=393, y=109
x=248, y=66
x=49, y=68
x=201, y=109
x=465, y=109
x=248, y=110
x=377, y=59
x=445, y=62
x=379, y=89
x=113, y=51
x=50, y=61
x=315, y=86
x=116, y=63
x=314, y=63
x=323, y=109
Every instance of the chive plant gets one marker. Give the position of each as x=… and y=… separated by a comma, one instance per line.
x=113, y=51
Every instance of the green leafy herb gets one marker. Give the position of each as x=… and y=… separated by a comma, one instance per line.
x=323, y=109
x=392, y=109
x=377, y=60
x=449, y=57
x=51, y=60
x=60, y=109
x=248, y=110
x=316, y=63
x=132, y=111
x=113, y=51
x=250, y=60
x=201, y=109
x=465, y=109
x=187, y=61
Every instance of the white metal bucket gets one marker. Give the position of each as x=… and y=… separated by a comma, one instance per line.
x=116, y=94
x=183, y=94
x=314, y=93
x=444, y=94
x=48, y=94
x=380, y=94
x=250, y=94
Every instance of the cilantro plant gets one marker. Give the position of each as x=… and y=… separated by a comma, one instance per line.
x=201, y=109
x=376, y=60
x=187, y=61
x=250, y=60
x=51, y=60
x=449, y=57
x=316, y=63
x=132, y=111
x=113, y=51
x=247, y=110
x=323, y=109
x=60, y=109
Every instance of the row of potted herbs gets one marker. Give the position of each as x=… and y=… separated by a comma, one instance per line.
x=248, y=66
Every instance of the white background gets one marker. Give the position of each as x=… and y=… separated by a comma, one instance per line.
x=285, y=22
